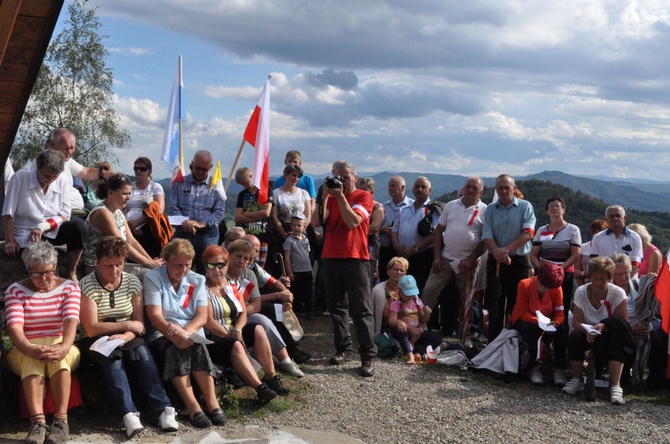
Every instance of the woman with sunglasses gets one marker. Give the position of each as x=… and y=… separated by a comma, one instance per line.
x=42, y=316
x=144, y=192
x=112, y=305
x=227, y=326
x=107, y=219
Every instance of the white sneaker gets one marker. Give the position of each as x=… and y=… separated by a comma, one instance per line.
x=616, y=395
x=468, y=343
x=132, y=424
x=168, y=420
x=536, y=376
x=291, y=369
x=573, y=386
x=559, y=378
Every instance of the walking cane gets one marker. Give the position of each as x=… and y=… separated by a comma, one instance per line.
x=290, y=319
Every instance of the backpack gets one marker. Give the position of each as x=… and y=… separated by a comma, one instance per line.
x=387, y=347
x=425, y=227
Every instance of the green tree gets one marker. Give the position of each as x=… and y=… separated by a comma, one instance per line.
x=73, y=90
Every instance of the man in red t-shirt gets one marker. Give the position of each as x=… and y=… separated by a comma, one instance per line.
x=346, y=216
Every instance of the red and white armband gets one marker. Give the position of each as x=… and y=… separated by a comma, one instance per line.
x=50, y=224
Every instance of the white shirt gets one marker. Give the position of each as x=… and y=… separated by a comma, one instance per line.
x=29, y=206
x=407, y=225
x=464, y=228
x=615, y=296
x=73, y=168
x=629, y=243
x=289, y=203
x=9, y=171
x=139, y=199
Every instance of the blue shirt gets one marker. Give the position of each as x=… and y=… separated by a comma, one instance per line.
x=178, y=307
x=391, y=215
x=305, y=183
x=197, y=201
x=505, y=224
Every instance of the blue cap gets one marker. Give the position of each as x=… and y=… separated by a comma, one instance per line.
x=408, y=286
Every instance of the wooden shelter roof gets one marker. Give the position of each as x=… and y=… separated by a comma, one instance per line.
x=26, y=27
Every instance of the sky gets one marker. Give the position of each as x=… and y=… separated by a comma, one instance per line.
x=437, y=86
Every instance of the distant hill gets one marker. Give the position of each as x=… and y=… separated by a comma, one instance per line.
x=646, y=197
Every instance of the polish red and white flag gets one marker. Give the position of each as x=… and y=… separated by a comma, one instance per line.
x=257, y=135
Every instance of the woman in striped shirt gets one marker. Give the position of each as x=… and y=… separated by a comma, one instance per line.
x=112, y=306
x=42, y=317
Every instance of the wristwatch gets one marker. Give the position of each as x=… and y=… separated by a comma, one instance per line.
x=100, y=175
x=237, y=330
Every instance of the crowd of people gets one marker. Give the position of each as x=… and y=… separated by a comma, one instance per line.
x=186, y=298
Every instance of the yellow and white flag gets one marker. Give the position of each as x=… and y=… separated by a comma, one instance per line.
x=217, y=182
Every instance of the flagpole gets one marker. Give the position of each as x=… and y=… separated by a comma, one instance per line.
x=237, y=159
x=181, y=148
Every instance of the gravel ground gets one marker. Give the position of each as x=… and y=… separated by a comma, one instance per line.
x=425, y=403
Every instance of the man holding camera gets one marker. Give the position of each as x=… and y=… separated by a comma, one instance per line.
x=346, y=216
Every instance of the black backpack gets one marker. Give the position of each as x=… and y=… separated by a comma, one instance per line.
x=425, y=227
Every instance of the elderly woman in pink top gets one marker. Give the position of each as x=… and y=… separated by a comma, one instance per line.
x=42, y=318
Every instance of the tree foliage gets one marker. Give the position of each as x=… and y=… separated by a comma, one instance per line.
x=581, y=210
x=73, y=90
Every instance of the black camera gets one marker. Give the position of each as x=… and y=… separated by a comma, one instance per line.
x=335, y=182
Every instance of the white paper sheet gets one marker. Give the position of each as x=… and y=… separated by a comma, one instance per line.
x=543, y=322
x=590, y=330
x=196, y=338
x=106, y=346
x=177, y=220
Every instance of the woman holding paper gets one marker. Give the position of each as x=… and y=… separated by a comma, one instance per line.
x=175, y=299
x=231, y=333
x=600, y=321
x=538, y=313
x=112, y=310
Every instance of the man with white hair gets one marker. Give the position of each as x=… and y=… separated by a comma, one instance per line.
x=617, y=238
x=64, y=141
x=392, y=208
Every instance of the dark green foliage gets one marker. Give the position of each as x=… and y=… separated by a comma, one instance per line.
x=73, y=90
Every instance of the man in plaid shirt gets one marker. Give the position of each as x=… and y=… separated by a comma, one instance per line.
x=203, y=205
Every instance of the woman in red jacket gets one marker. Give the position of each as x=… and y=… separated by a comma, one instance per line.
x=543, y=292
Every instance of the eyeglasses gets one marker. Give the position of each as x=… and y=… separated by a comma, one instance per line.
x=219, y=265
x=39, y=274
x=201, y=169
x=142, y=169
x=622, y=274
x=555, y=207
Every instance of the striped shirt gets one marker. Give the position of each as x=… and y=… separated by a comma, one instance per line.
x=226, y=308
x=42, y=314
x=123, y=307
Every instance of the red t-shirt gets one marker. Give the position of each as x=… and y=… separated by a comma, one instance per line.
x=341, y=242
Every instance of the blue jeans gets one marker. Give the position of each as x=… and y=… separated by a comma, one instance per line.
x=145, y=374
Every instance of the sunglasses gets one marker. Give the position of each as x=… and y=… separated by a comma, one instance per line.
x=39, y=274
x=219, y=265
x=142, y=169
